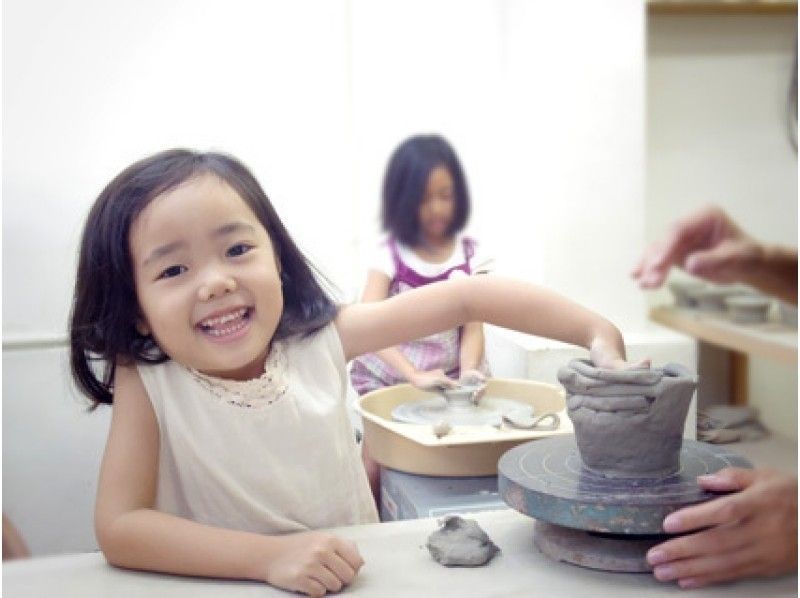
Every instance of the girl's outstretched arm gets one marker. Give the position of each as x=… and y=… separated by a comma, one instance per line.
x=368, y=327
x=377, y=289
x=132, y=534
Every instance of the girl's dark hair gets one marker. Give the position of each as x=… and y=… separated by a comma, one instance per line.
x=105, y=309
x=406, y=180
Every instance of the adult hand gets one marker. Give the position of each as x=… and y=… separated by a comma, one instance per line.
x=314, y=563
x=432, y=380
x=707, y=244
x=752, y=532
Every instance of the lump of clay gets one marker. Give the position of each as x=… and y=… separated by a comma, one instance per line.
x=442, y=429
x=461, y=543
x=628, y=423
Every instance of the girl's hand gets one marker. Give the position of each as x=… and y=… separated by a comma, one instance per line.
x=431, y=380
x=471, y=378
x=752, y=532
x=474, y=378
x=604, y=355
x=314, y=563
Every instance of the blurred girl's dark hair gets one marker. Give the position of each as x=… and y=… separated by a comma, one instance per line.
x=406, y=181
x=105, y=310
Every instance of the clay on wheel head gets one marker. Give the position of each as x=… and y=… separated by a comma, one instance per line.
x=628, y=423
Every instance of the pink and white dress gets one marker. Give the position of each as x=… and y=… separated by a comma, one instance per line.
x=438, y=351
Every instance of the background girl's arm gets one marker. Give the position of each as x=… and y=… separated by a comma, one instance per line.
x=367, y=327
x=132, y=534
x=472, y=346
x=377, y=289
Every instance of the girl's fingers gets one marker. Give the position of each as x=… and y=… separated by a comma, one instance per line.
x=473, y=376
x=618, y=363
x=312, y=588
x=349, y=552
x=326, y=577
x=340, y=568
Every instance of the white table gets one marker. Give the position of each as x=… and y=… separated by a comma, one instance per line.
x=398, y=564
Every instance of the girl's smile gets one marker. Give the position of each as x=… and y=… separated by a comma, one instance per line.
x=227, y=325
x=207, y=279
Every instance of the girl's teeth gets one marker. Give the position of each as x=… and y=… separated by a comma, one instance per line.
x=224, y=319
x=224, y=331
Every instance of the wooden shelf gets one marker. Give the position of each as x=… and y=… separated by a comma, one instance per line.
x=772, y=340
x=721, y=7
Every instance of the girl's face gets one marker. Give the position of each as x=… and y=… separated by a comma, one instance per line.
x=438, y=206
x=207, y=280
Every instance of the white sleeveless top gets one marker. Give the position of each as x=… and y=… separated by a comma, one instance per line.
x=272, y=455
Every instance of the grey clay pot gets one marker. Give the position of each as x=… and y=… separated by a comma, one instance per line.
x=628, y=423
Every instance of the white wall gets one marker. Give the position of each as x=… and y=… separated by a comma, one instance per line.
x=717, y=132
x=542, y=100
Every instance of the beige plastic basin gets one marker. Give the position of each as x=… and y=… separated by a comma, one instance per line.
x=466, y=450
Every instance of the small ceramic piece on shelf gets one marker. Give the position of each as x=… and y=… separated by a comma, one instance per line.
x=711, y=298
x=682, y=290
x=748, y=309
x=788, y=313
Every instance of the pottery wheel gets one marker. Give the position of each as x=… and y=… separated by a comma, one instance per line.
x=607, y=552
x=546, y=480
x=488, y=411
x=601, y=517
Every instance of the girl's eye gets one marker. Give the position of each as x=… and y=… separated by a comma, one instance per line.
x=172, y=272
x=238, y=249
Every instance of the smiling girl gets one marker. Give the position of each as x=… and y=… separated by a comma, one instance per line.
x=196, y=315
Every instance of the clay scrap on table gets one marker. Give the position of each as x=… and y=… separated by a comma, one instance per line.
x=628, y=423
x=461, y=543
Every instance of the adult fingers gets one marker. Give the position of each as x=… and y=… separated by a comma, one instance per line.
x=693, y=232
x=719, y=576
x=649, y=272
x=714, y=565
x=728, y=479
x=720, y=539
x=726, y=509
x=717, y=263
x=701, y=230
x=637, y=270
